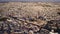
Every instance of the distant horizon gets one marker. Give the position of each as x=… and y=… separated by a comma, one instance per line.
x=29, y=0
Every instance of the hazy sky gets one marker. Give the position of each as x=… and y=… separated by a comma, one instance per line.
x=33, y=0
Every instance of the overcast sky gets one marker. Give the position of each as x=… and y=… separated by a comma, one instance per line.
x=33, y=0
